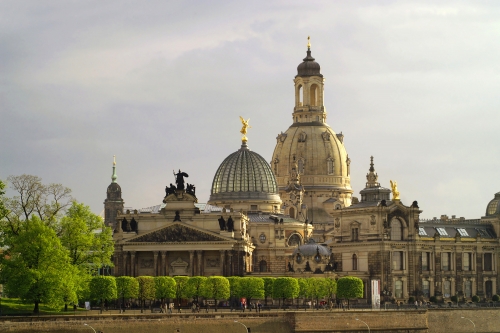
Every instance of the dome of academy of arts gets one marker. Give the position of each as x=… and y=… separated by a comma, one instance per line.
x=244, y=176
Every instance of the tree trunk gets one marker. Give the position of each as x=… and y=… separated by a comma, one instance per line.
x=66, y=307
x=215, y=305
x=102, y=305
x=36, y=310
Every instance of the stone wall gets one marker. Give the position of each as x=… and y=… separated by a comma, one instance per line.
x=486, y=320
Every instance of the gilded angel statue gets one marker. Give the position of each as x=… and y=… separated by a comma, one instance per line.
x=395, y=192
x=244, y=128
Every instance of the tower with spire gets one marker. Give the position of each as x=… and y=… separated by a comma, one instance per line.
x=114, y=201
x=373, y=191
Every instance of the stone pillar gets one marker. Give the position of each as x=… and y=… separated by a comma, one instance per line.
x=229, y=269
x=222, y=252
x=164, y=268
x=191, y=261
x=155, y=264
x=132, y=263
x=198, y=258
x=125, y=255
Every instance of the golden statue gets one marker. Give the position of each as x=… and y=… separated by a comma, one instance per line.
x=395, y=192
x=308, y=42
x=244, y=128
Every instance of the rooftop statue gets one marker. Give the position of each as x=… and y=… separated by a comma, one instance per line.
x=395, y=192
x=179, y=179
x=244, y=128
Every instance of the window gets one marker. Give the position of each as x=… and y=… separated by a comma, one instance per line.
x=462, y=232
x=354, y=262
x=489, y=288
x=314, y=95
x=426, y=288
x=397, y=261
x=426, y=256
x=354, y=234
x=488, y=262
x=447, y=288
x=468, y=289
x=445, y=261
x=422, y=232
x=300, y=95
x=291, y=212
x=492, y=208
x=301, y=166
x=396, y=230
x=466, y=261
x=330, y=166
x=262, y=238
x=253, y=207
x=263, y=266
x=398, y=286
x=442, y=231
x=294, y=240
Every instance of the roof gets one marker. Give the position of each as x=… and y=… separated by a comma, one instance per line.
x=465, y=229
x=268, y=217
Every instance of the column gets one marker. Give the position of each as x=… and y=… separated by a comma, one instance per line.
x=164, y=268
x=222, y=262
x=132, y=263
x=230, y=266
x=199, y=260
x=191, y=257
x=125, y=255
x=155, y=264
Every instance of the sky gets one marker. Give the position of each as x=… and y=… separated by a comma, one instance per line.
x=161, y=85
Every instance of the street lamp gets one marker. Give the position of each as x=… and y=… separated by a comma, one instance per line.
x=364, y=323
x=90, y=327
x=471, y=322
x=243, y=325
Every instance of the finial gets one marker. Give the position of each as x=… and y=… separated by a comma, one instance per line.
x=114, y=176
x=395, y=192
x=308, y=42
x=243, y=130
x=371, y=164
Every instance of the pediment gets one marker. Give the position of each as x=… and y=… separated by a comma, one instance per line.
x=178, y=233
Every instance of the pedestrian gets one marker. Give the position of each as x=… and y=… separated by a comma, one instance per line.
x=416, y=305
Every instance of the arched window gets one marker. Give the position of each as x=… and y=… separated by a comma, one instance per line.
x=354, y=262
x=300, y=95
x=468, y=289
x=330, y=166
x=313, y=94
x=396, y=230
x=446, y=289
x=294, y=240
x=301, y=166
x=263, y=266
x=291, y=212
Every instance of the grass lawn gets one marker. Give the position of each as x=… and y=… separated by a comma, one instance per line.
x=14, y=306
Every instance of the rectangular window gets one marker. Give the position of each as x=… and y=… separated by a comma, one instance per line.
x=488, y=261
x=447, y=289
x=445, y=261
x=398, y=289
x=466, y=260
x=253, y=207
x=468, y=289
x=422, y=232
x=462, y=232
x=354, y=234
x=397, y=261
x=442, y=231
x=426, y=288
x=425, y=261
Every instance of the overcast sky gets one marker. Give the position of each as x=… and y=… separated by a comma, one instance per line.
x=161, y=85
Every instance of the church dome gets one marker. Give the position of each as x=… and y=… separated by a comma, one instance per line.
x=312, y=248
x=493, y=207
x=244, y=175
x=309, y=66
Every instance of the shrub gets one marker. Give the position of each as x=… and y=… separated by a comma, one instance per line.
x=454, y=299
x=475, y=299
x=433, y=299
x=495, y=298
x=411, y=300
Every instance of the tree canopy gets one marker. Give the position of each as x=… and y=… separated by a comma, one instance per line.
x=147, y=289
x=103, y=288
x=251, y=287
x=194, y=287
x=126, y=287
x=217, y=287
x=349, y=287
x=164, y=287
x=286, y=287
x=35, y=266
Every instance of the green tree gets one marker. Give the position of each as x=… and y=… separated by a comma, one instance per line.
x=349, y=287
x=180, y=288
x=268, y=287
x=318, y=288
x=234, y=290
x=251, y=287
x=286, y=287
x=146, y=290
x=35, y=266
x=102, y=289
x=194, y=287
x=165, y=288
x=331, y=289
x=126, y=287
x=217, y=287
x=89, y=241
x=3, y=210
